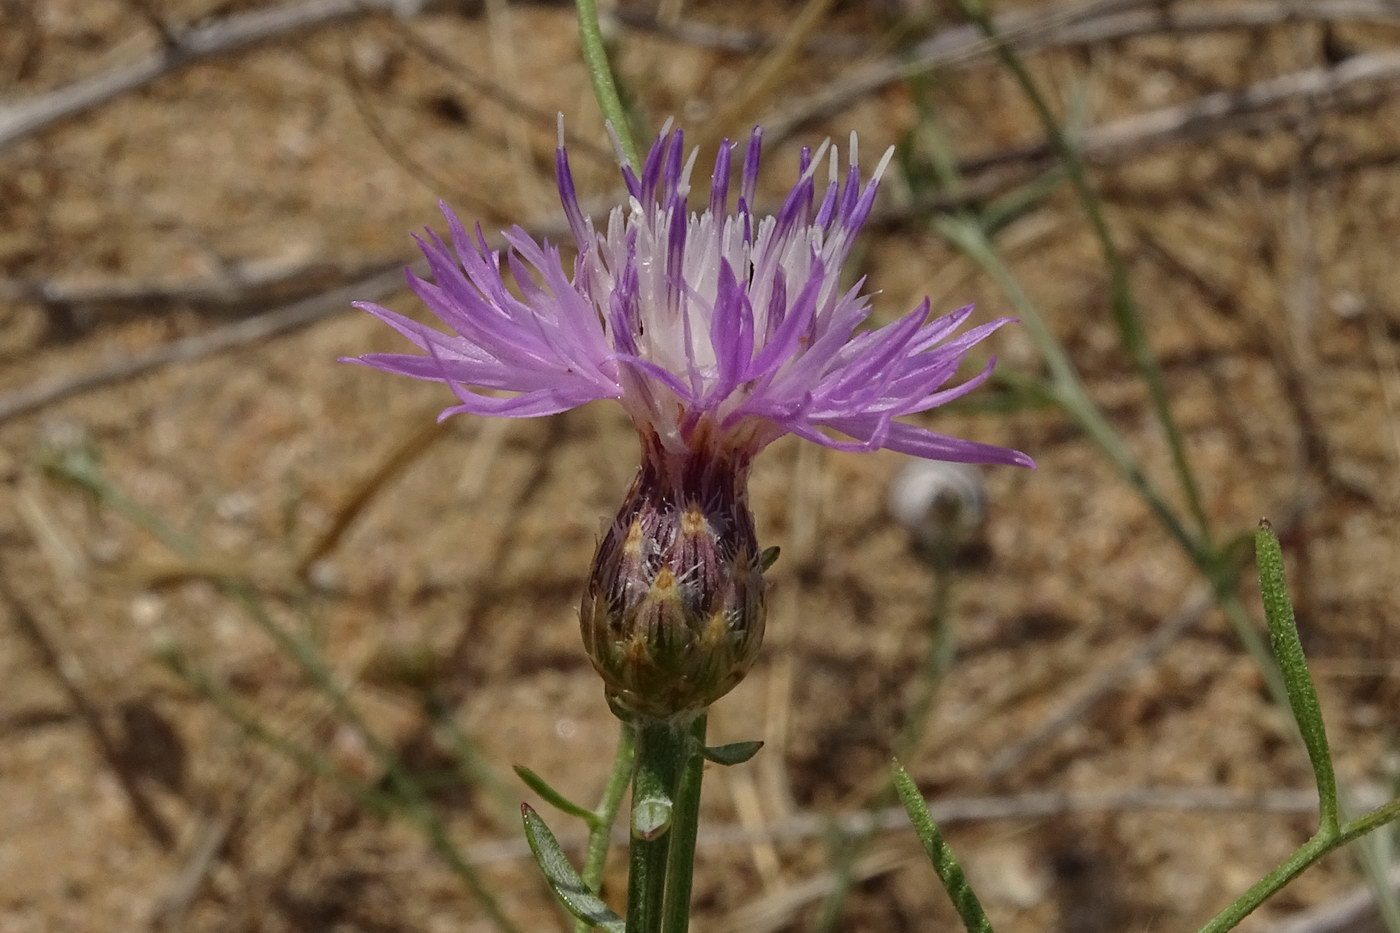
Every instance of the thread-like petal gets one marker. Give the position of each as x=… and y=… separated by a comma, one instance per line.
x=721, y=327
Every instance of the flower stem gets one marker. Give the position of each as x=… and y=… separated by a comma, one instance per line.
x=600, y=827
x=595, y=56
x=660, y=746
x=685, y=826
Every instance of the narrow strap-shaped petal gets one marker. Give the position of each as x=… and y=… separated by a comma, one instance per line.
x=919, y=442
x=731, y=334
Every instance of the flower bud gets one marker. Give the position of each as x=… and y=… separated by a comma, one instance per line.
x=673, y=612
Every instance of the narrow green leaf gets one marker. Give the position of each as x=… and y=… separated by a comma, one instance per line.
x=553, y=797
x=1288, y=649
x=1000, y=213
x=949, y=871
x=735, y=753
x=563, y=879
x=768, y=557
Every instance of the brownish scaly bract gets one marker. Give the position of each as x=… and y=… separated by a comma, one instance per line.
x=674, y=607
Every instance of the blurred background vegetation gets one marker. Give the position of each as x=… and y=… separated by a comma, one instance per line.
x=271, y=639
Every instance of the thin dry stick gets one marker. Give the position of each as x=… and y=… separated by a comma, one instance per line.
x=950, y=811
x=248, y=284
x=963, y=38
x=730, y=120
x=403, y=454
x=64, y=669
x=805, y=515
x=497, y=92
x=748, y=806
x=278, y=321
x=1108, y=680
x=1110, y=143
x=501, y=27
x=1317, y=87
x=1071, y=26
x=775, y=910
x=218, y=37
x=1263, y=105
x=1110, y=677
x=272, y=323
x=212, y=835
x=389, y=142
x=1346, y=914
x=1074, y=26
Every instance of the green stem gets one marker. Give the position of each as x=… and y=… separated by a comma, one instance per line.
x=600, y=827
x=685, y=826
x=938, y=657
x=82, y=470
x=1125, y=312
x=940, y=855
x=416, y=805
x=965, y=233
x=968, y=236
x=468, y=758
x=595, y=56
x=1309, y=853
x=372, y=799
x=660, y=746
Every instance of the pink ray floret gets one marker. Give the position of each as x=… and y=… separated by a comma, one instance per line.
x=719, y=328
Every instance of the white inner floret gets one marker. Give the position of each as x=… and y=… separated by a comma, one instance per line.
x=675, y=313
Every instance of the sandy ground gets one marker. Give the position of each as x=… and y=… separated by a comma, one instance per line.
x=1263, y=258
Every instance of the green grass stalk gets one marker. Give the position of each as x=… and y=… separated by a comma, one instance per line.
x=605, y=815
x=595, y=56
x=1126, y=316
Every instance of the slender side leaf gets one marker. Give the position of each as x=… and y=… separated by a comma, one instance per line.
x=1302, y=696
x=964, y=900
x=563, y=880
x=540, y=786
x=768, y=557
x=735, y=753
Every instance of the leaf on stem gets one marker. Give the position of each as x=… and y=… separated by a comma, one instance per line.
x=768, y=557
x=735, y=753
x=651, y=816
x=551, y=796
x=563, y=880
x=1288, y=649
x=964, y=900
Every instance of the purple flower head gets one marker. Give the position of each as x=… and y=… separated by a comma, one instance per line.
x=718, y=330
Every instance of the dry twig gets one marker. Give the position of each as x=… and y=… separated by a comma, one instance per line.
x=247, y=285
x=951, y=811
x=1107, y=144
x=65, y=670
x=1353, y=912
x=222, y=36
x=269, y=324
x=1110, y=678
x=1263, y=105
x=1073, y=26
